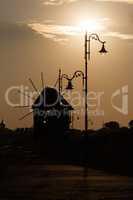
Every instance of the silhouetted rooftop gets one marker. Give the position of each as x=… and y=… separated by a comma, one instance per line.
x=49, y=99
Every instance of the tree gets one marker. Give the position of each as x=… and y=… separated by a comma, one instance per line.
x=112, y=125
x=130, y=124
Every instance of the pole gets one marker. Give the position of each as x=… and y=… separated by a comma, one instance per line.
x=86, y=81
x=60, y=82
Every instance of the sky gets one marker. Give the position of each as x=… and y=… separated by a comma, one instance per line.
x=45, y=35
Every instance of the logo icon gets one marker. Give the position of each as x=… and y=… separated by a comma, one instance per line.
x=123, y=93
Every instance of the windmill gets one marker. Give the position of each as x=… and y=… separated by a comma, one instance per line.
x=29, y=97
x=51, y=112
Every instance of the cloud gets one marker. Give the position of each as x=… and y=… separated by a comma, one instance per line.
x=118, y=1
x=60, y=33
x=120, y=35
x=52, y=30
x=57, y=2
x=57, y=33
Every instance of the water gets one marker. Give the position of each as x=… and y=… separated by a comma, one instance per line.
x=63, y=182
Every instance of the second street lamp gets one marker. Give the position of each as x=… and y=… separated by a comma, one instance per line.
x=76, y=74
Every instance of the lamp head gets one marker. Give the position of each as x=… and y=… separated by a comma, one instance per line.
x=70, y=86
x=103, y=50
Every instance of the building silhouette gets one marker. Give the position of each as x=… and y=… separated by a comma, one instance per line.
x=51, y=113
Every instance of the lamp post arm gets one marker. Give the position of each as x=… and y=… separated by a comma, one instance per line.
x=77, y=74
x=95, y=36
x=65, y=76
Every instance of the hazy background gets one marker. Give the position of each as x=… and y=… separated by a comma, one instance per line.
x=33, y=39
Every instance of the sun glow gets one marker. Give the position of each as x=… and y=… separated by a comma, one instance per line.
x=57, y=31
x=91, y=25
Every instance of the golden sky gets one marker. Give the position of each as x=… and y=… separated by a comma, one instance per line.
x=43, y=35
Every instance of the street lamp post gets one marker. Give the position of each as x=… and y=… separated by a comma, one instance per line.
x=88, y=39
x=76, y=74
x=79, y=73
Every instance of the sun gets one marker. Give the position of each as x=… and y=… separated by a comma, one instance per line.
x=91, y=25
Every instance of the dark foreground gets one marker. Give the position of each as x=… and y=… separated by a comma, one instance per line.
x=55, y=170
x=25, y=175
x=62, y=182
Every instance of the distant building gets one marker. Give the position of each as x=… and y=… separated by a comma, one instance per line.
x=52, y=113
